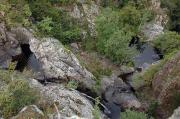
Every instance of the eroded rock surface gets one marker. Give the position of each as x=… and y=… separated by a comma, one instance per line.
x=86, y=12
x=69, y=102
x=59, y=62
x=156, y=27
x=9, y=46
x=166, y=85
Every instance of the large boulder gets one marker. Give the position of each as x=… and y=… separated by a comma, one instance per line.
x=55, y=60
x=9, y=46
x=59, y=62
x=69, y=102
x=115, y=90
x=156, y=26
x=86, y=13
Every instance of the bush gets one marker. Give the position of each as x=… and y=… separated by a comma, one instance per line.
x=152, y=108
x=175, y=100
x=116, y=48
x=128, y=114
x=17, y=95
x=116, y=28
x=167, y=42
x=72, y=84
x=54, y=22
x=17, y=13
x=174, y=8
x=45, y=26
x=96, y=111
x=151, y=71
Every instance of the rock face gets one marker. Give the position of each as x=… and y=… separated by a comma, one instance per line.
x=118, y=92
x=31, y=111
x=59, y=62
x=154, y=28
x=69, y=102
x=166, y=84
x=151, y=31
x=176, y=114
x=9, y=46
x=56, y=61
x=86, y=12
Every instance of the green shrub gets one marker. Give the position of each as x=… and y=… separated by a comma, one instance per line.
x=96, y=111
x=137, y=81
x=152, y=108
x=17, y=95
x=167, y=42
x=72, y=84
x=18, y=13
x=150, y=72
x=174, y=8
x=116, y=28
x=175, y=100
x=128, y=114
x=116, y=48
x=45, y=26
x=54, y=22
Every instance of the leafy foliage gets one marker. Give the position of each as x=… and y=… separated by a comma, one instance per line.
x=96, y=111
x=72, y=84
x=128, y=114
x=45, y=25
x=16, y=94
x=116, y=28
x=168, y=42
x=54, y=22
x=16, y=13
x=174, y=13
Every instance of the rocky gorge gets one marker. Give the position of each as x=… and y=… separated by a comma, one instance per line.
x=67, y=82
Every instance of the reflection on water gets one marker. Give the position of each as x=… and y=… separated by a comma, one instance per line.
x=147, y=55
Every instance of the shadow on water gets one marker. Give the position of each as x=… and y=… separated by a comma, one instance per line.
x=114, y=110
x=147, y=54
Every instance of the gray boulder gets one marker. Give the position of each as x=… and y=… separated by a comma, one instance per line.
x=9, y=46
x=118, y=92
x=86, y=12
x=69, y=102
x=59, y=62
x=176, y=114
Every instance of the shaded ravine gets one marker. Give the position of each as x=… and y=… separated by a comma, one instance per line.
x=145, y=57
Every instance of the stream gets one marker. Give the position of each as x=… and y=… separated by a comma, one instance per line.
x=146, y=56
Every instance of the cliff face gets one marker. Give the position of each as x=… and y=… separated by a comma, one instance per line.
x=85, y=13
x=157, y=25
x=166, y=86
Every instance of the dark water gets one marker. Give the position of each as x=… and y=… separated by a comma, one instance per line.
x=146, y=56
x=114, y=110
